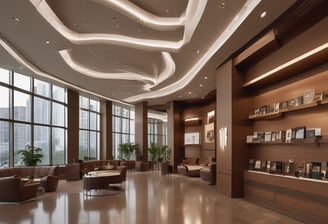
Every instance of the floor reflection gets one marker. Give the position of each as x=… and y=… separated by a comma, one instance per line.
x=146, y=197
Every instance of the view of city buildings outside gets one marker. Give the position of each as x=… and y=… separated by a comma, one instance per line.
x=34, y=113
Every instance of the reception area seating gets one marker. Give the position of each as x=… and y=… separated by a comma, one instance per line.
x=48, y=176
x=13, y=189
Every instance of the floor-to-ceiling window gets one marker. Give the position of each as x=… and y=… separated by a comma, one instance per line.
x=123, y=127
x=157, y=128
x=89, y=128
x=33, y=112
x=157, y=132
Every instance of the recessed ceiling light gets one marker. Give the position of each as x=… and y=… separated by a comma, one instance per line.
x=222, y=5
x=263, y=14
x=196, y=51
x=15, y=19
x=48, y=42
x=200, y=85
x=205, y=77
x=189, y=92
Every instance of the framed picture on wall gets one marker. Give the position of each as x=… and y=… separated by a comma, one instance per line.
x=191, y=138
x=210, y=116
x=209, y=133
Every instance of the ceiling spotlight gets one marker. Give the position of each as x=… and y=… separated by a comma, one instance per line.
x=222, y=5
x=189, y=93
x=200, y=85
x=263, y=14
x=205, y=77
x=15, y=19
x=196, y=51
x=47, y=42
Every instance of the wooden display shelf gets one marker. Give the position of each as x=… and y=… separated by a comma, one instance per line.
x=301, y=198
x=281, y=112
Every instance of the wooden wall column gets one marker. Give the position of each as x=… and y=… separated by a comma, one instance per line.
x=141, y=131
x=73, y=126
x=106, y=127
x=175, y=133
x=230, y=107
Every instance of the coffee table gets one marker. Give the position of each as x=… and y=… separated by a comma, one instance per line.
x=96, y=183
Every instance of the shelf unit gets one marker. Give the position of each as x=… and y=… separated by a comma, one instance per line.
x=303, y=198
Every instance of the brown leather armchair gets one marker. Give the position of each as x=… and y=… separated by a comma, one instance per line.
x=13, y=189
x=209, y=173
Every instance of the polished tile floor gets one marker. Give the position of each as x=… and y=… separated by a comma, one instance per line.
x=146, y=197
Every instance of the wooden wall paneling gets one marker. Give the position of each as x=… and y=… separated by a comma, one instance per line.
x=175, y=133
x=232, y=109
x=293, y=50
x=141, y=131
x=73, y=112
x=302, y=199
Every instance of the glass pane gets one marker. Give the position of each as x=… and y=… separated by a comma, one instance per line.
x=4, y=144
x=116, y=143
x=84, y=102
x=83, y=145
x=125, y=138
x=93, y=145
x=117, y=110
x=58, y=114
x=41, y=88
x=58, y=146
x=125, y=113
x=4, y=75
x=84, y=119
x=22, y=81
x=41, y=110
x=22, y=138
x=98, y=122
x=132, y=127
x=132, y=138
x=58, y=93
x=4, y=102
x=125, y=126
x=22, y=106
x=117, y=124
x=93, y=121
x=94, y=105
x=132, y=114
x=41, y=140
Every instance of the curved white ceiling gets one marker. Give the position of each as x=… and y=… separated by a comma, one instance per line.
x=127, y=51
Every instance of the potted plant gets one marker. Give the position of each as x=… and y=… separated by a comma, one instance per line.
x=153, y=152
x=31, y=155
x=126, y=149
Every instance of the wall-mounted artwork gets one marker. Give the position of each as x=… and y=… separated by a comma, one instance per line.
x=210, y=116
x=191, y=138
x=209, y=133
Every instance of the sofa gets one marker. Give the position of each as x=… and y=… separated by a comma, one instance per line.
x=13, y=189
x=48, y=175
x=208, y=173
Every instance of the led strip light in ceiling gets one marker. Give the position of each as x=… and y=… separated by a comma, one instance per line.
x=150, y=82
x=193, y=13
